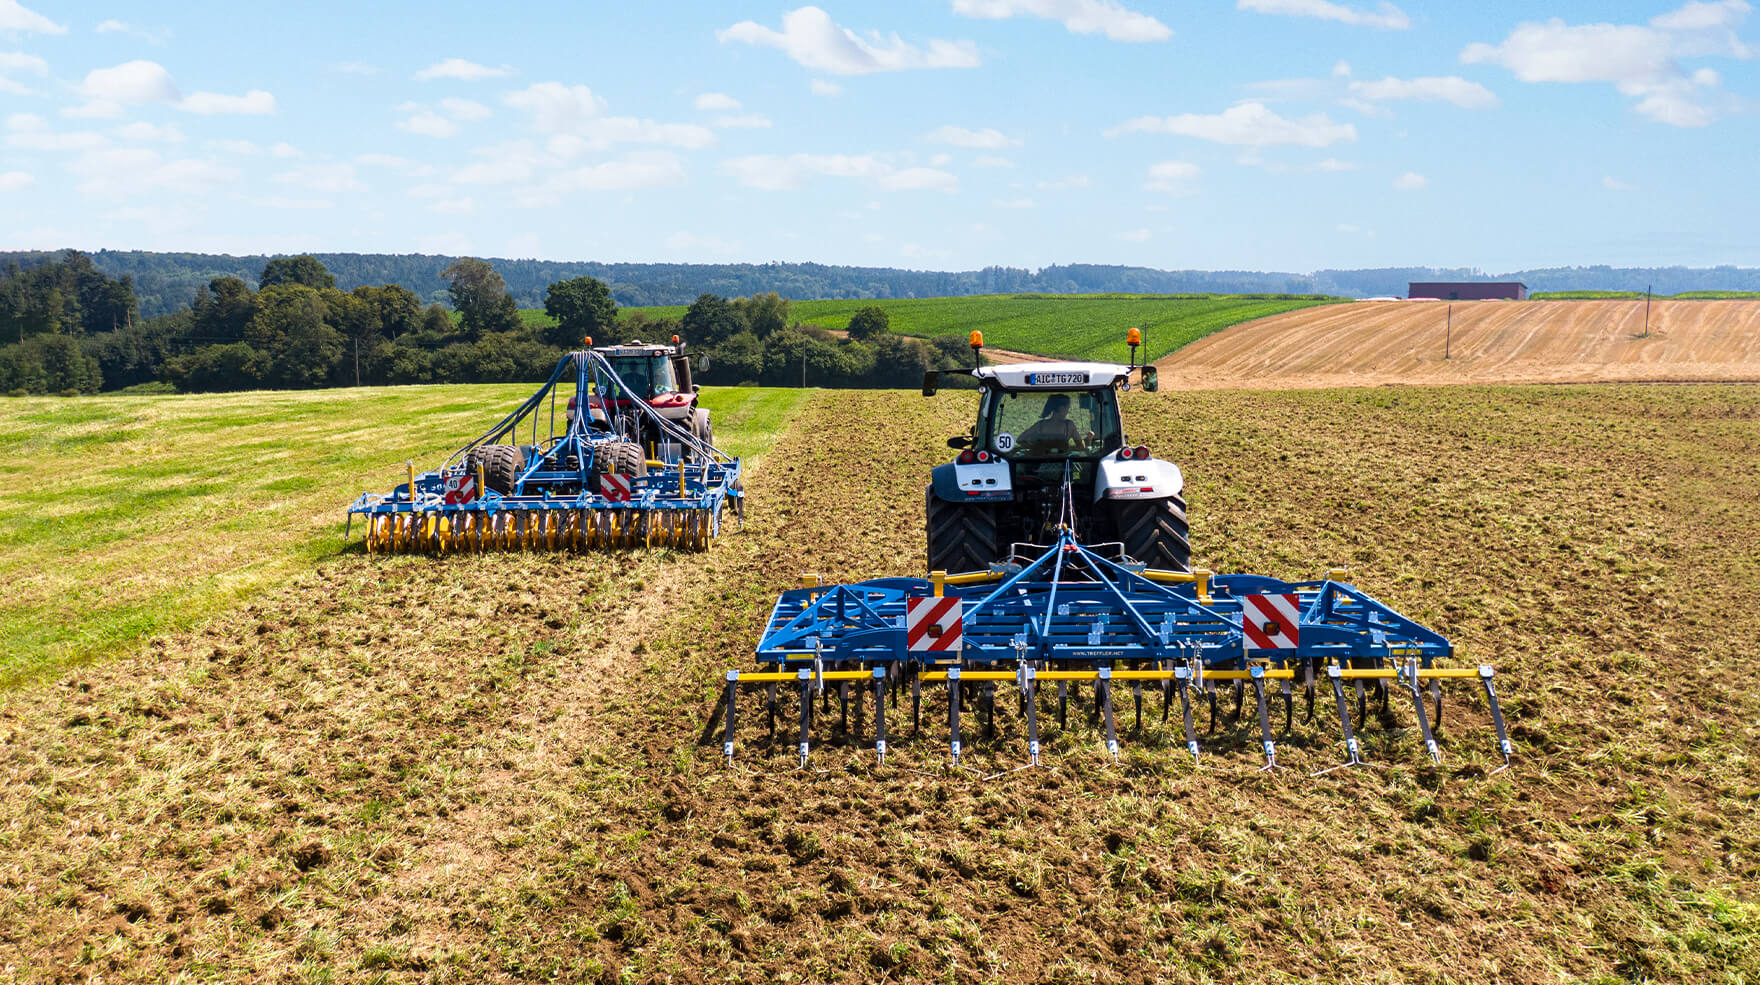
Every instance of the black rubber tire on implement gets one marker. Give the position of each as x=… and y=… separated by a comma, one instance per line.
x=962, y=536
x=1154, y=531
x=622, y=457
x=701, y=427
x=502, y=465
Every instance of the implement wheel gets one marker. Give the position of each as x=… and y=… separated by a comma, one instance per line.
x=1154, y=531
x=502, y=465
x=962, y=536
x=622, y=457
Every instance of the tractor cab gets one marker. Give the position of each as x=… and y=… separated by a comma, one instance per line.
x=657, y=375
x=1048, y=450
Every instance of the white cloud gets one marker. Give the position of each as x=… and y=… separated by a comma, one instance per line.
x=940, y=160
x=1248, y=124
x=717, y=101
x=468, y=110
x=156, y=36
x=1431, y=88
x=121, y=171
x=1386, y=16
x=465, y=71
x=1135, y=235
x=1411, y=181
x=556, y=108
x=820, y=87
x=428, y=123
x=985, y=139
x=147, y=131
x=131, y=83
x=1613, y=184
x=26, y=122
x=1641, y=61
x=322, y=178
x=254, y=103
x=1079, y=16
x=11, y=181
x=811, y=38
x=18, y=19
x=1172, y=176
x=742, y=121
x=991, y=161
x=18, y=61
x=284, y=149
x=774, y=172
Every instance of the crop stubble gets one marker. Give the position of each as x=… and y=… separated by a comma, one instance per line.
x=482, y=768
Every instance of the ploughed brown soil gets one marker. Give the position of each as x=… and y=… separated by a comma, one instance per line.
x=485, y=770
x=1370, y=343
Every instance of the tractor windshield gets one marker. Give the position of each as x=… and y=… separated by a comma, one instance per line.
x=1053, y=423
x=647, y=375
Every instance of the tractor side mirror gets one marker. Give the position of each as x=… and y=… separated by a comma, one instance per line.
x=930, y=379
x=960, y=441
x=1150, y=383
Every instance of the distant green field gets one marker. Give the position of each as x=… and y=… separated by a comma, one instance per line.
x=132, y=515
x=1639, y=296
x=1073, y=326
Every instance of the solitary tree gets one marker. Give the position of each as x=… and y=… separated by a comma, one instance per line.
x=305, y=269
x=481, y=297
x=581, y=307
x=869, y=323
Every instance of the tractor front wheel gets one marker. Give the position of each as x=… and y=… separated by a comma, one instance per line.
x=962, y=536
x=1154, y=531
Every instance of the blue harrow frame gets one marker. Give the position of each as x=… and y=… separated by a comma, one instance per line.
x=1071, y=615
x=561, y=497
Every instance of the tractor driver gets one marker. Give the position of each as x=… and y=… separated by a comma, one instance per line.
x=1054, y=431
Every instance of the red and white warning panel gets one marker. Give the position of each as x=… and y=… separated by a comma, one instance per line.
x=932, y=625
x=1271, y=622
x=459, y=489
x=614, y=487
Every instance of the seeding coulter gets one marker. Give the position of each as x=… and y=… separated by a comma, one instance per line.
x=1072, y=615
x=586, y=463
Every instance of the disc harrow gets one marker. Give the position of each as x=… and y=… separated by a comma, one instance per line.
x=1068, y=617
x=529, y=484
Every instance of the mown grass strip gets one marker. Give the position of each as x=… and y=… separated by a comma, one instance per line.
x=128, y=516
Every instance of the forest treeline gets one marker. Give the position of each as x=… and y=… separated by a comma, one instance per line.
x=68, y=328
x=165, y=282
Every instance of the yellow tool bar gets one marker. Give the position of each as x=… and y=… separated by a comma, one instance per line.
x=1389, y=673
x=778, y=676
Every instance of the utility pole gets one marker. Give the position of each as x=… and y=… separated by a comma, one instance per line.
x=1448, y=333
x=803, y=367
x=1646, y=312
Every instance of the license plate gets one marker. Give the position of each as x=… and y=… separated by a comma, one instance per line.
x=1057, y=379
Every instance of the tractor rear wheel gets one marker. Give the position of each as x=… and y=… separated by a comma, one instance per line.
x=622, y=457
x=1154, y=531
x=502, y=466
x=962, y=536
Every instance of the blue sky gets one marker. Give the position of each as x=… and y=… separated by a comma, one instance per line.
x=932, y=134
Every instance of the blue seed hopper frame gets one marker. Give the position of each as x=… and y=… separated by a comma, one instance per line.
x=567, y=495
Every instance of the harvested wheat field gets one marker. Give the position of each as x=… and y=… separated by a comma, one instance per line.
x=484, y=769
x=1370, y=343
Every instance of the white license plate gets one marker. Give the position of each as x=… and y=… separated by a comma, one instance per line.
x=1058, y=379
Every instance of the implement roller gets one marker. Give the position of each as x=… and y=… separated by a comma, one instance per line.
x=1056, y=617
x=609, y=472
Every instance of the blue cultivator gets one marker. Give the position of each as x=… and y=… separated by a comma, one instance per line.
x=583, y=480
x=1071, y=615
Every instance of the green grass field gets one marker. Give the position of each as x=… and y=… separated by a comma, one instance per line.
x=1071, y=326
x=133, y=515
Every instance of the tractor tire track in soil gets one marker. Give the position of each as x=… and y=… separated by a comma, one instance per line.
x=484, y=769
x=1369, y=343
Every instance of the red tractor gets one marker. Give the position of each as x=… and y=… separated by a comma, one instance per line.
x=660, y=376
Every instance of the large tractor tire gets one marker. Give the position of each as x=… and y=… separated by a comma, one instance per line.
x=1154, y=531
x=502, y=466
x=703, y=430
x=622, y=457
x=962, y=536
